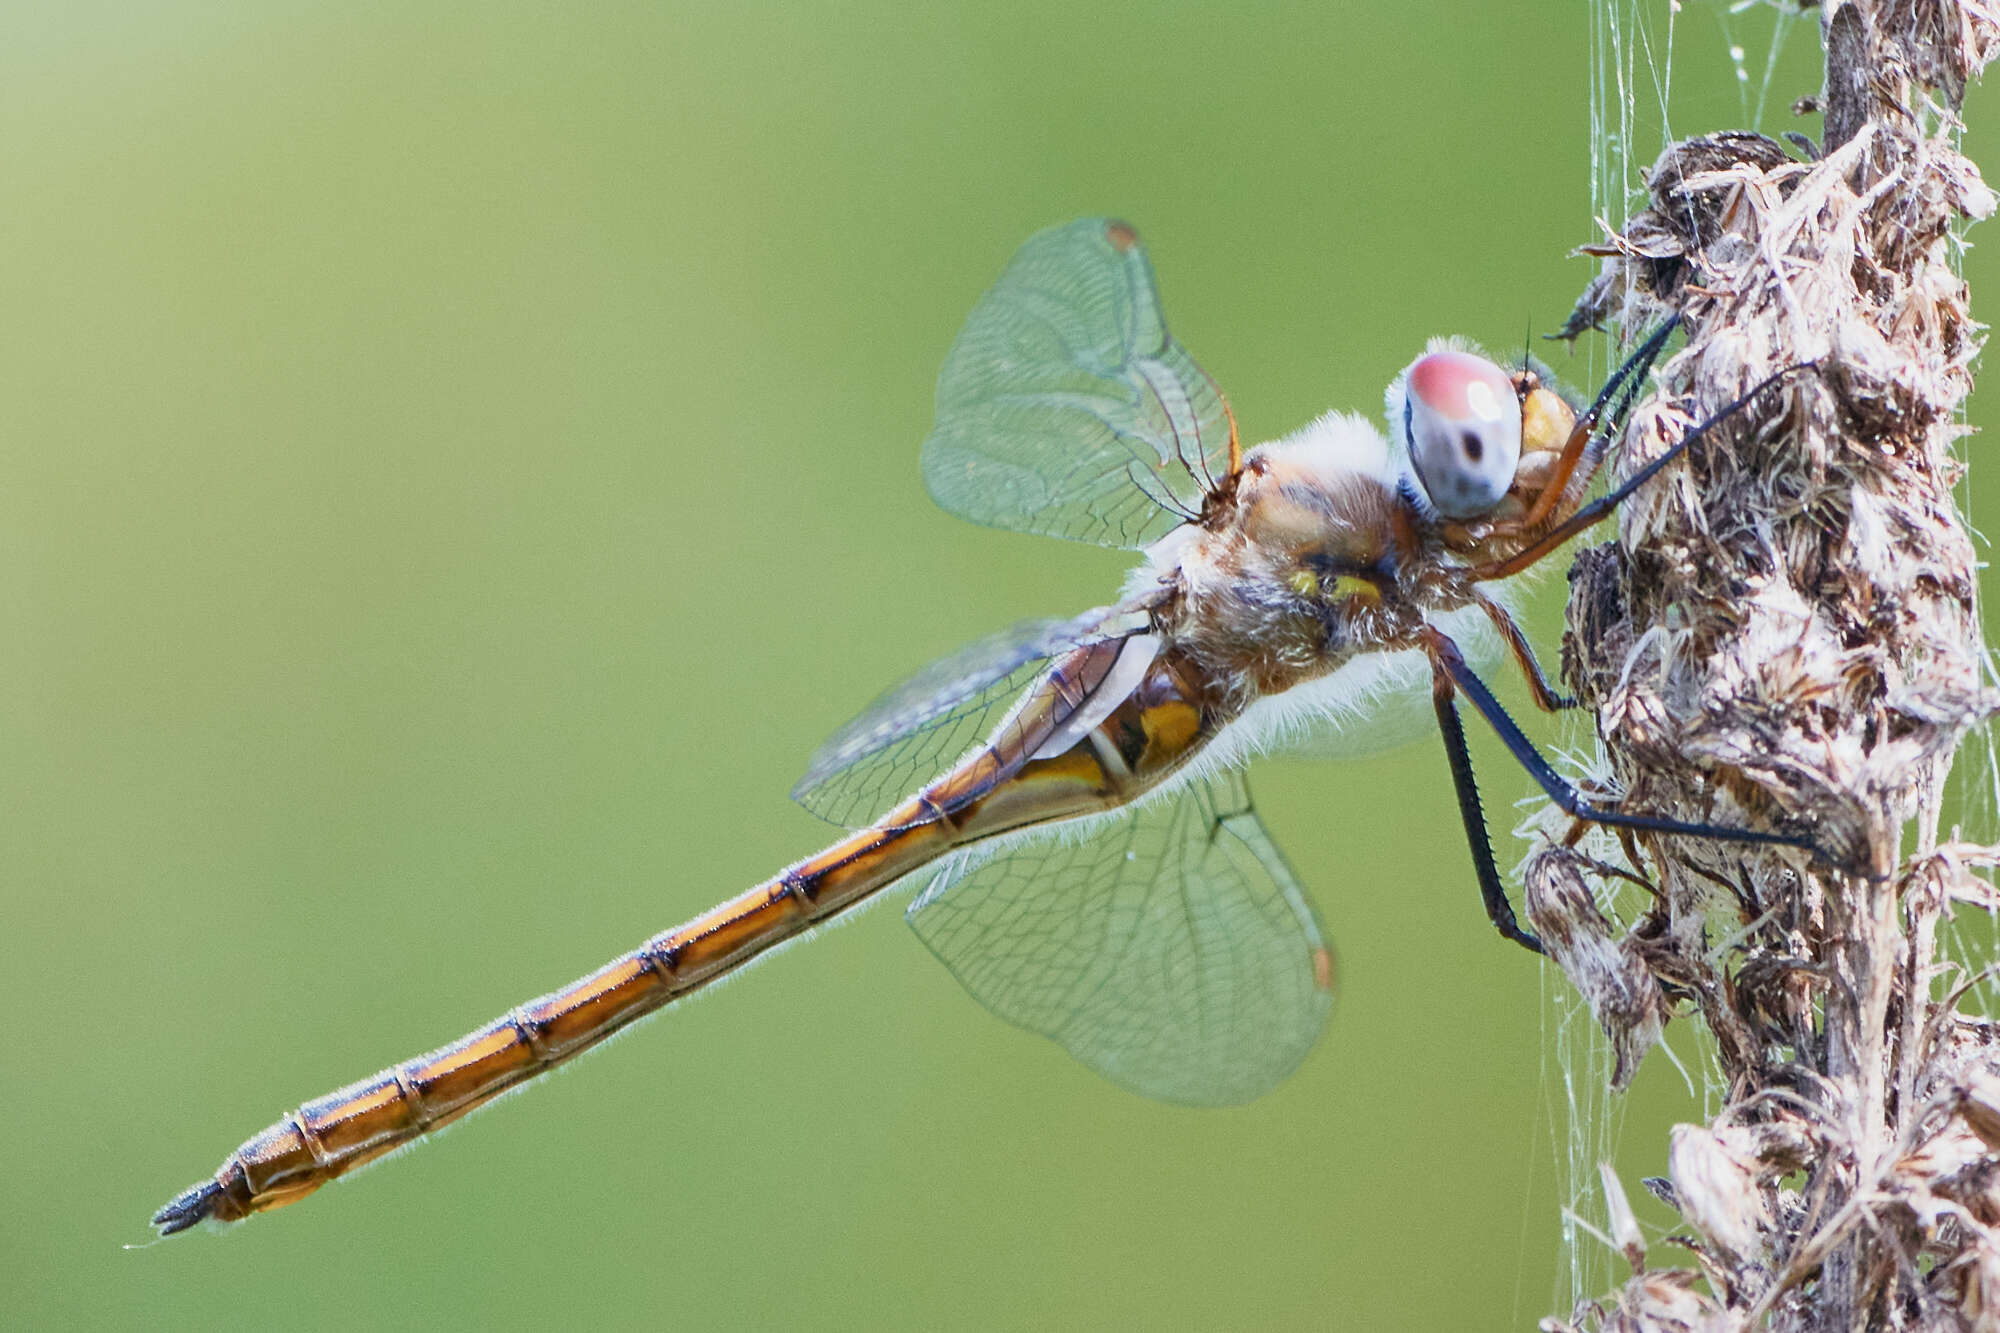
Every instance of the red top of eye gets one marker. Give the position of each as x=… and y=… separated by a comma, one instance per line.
x=1459, y=386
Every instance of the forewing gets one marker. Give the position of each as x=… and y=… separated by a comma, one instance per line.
x=919, y=728
x=1172, y=951
x=1066, y=408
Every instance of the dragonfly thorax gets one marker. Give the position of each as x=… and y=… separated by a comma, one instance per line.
x=1327, y=491
x=1311, y=563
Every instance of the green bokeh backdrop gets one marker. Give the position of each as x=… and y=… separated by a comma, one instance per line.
x=461, y=459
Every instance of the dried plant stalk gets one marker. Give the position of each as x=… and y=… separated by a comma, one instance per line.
x=1785, y=635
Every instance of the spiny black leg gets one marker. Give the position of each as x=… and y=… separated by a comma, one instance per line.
x=1609, y=501
x=1604, y=504
x=1446, y=655
x=1498, y=910
x=1590, y=434
x=1632, y=375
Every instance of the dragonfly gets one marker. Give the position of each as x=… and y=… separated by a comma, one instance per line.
x=1070, y=791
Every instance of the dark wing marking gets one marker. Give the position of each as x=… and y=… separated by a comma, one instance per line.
x=1066, y=408
x=1172, y=950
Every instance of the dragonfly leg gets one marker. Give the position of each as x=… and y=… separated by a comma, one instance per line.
x=1546, y=696
x=1600, y=508
x=1586, y=444
x=1452, y=671
x=1498, y=910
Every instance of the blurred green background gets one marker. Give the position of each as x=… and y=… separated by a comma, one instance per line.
x=460, y=460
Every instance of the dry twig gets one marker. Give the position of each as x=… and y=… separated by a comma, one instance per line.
x=1785, y=635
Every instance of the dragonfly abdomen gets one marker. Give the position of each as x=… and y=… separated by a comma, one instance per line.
x=344, y=1130
x=1144, y=737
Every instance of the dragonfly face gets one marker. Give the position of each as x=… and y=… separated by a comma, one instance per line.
x=1158, y=936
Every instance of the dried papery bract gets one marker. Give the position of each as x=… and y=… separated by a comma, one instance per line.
x=1625, y=1233
x=1608, y=968
x=1784, y=634
x=1714, y=1174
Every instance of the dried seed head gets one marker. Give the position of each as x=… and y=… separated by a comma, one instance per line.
x=1785, y=636
x=1715, y=1179
x=1666, y=1302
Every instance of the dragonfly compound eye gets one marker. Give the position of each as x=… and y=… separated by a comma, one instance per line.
x=1462, y=425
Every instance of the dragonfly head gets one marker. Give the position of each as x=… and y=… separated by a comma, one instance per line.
x=1459, y=417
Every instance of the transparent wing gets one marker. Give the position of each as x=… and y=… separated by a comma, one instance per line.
x=1066, y=408
x=1173, y=951
x=919, y=728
